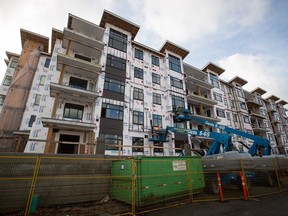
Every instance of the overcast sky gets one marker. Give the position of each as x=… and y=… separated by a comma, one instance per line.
x=248, y=38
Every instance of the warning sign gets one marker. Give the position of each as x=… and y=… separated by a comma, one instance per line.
x=179, y=165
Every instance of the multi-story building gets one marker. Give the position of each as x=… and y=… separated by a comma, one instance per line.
x=12, y=63
x=100, y=91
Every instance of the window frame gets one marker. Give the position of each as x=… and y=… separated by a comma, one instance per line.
x=138, y=73
x=137, y=141
x=109, y=109
x=214, y=79
x=37, y=99
x=243, y=105
x=157, y=98
x=177, y=101
x=138, y=94
x=217, y=97
x=72, y=107
x=155, y=60
x=7, y=81
x=110, y=82
x=174, y=63
x=246, y=119
x=175, y=82
x=157, y=120
x=155, y=78
x=112, y=137
x=139, y=54
x=116, y=62
x=138, y=117
x=220, y=111
x=2, y=99
x=118, y=40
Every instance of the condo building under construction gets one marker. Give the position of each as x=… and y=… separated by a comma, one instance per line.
x=99, y=91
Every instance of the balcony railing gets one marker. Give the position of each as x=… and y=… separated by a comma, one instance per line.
x=72, y=93
x=198, y=99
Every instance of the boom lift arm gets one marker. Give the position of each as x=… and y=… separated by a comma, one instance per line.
x=258, y=141
x=219, y=139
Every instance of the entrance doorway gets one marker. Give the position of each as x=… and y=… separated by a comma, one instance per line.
x=70, y=148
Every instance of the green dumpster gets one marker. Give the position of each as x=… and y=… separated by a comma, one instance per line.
x=156, y=178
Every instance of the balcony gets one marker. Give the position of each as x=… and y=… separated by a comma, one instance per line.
x=85, y=27
x=191, y=82
x=256, y=114
x=79, y=38
x=208, y=118
x=78, y=66
x=197, y=99
x=70, y=93
x=271, y=108
x=253, y=102
x=275, y=120
x=64, y=124
x=259, y=127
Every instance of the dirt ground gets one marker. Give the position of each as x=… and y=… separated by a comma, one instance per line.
x=276, y=204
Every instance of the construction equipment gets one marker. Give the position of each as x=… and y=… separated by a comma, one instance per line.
x=258, y=142
x=220, y=139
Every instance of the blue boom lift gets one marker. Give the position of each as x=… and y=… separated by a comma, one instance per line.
x=258, y=142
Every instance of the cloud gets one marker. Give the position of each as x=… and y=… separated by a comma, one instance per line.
x=191, y=20
x=259, y=70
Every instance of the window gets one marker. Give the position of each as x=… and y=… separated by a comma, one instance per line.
x=177, y=101
x=240, y=93
x=112, y=111
x=42, y=80
x=47, y=62
x=7, y=81
x=116, y=62
x=214, y=80
x=138, y=73
x=78, y=83
x=270, y=136
x=117, y=40
x=32, y=120
x=235, y=119
x=155, y=78
x=180, y=125
x=73, y=111
x=138, y=54
x=82, y=57
x=243, y=105
x=174, y=63
x=232, y=102
x=157, y=120
x=37, y=99
x=14, y=63
x=217, y=97
x=2, y=98
x=114, y=85
x=138, y=94
x=220, y=112
x=156, y=98
x=260, y=101
x=263, y=112
x=246, y=119
x=228, y=116
x=176, y=82
x=137, y=141
x=112, y=141
x=155, y=60
x=138, y=118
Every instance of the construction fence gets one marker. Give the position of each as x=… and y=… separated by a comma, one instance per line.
x=41, y=184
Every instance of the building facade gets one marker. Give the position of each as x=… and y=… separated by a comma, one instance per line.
x=100, y=91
